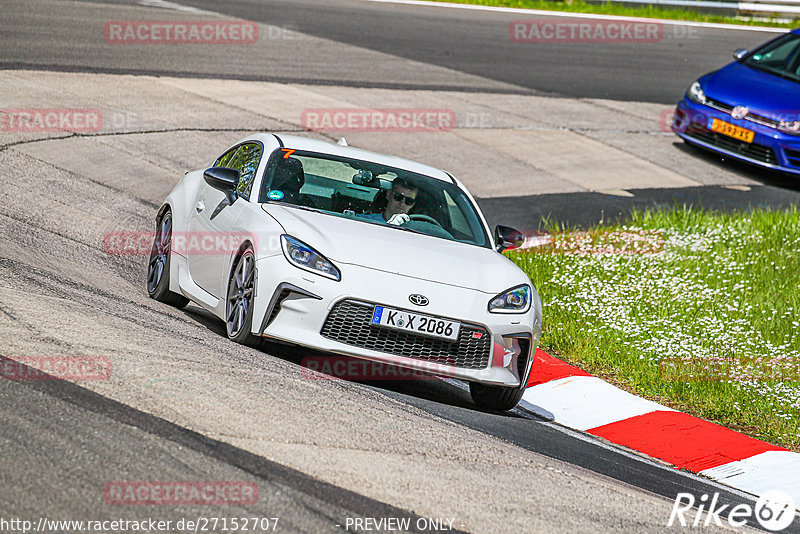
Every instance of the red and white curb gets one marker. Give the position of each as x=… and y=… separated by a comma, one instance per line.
x=578, y=400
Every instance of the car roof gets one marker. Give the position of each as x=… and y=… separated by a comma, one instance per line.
x=315, y=145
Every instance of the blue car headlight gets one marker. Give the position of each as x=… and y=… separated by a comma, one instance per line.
x=514, y=300
x=790, y=127
x=696, y=93
x=301, y=255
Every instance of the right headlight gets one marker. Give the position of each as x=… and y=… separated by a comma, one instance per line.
x=790, y=127
x=696, y=93
x=301, y=255
x=514, y=300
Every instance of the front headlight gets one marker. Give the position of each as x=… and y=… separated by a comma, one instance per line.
x=514, y=300
x=696, y=94
x=790, y=127
x=301, y=255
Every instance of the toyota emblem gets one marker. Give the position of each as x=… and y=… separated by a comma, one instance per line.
x=417, y=299
x=739, y=112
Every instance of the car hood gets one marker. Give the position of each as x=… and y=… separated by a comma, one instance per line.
x=765, y=94
x=374, y=246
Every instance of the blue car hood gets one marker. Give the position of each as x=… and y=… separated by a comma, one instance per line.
x=765, y=94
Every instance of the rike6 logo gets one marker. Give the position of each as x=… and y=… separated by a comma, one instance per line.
x=774, y=510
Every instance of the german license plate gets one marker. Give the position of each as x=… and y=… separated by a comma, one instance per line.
x=424, y=325
x=731, y=130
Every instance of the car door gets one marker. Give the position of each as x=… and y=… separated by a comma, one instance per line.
x=211, y=220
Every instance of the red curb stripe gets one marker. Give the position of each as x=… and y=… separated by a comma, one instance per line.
x=682, y=440
x=546, y=368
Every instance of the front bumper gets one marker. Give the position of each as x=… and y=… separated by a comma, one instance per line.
x=304, y=309
x=770, y=147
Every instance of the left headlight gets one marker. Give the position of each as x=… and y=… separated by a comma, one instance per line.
x=301, y=255
x=515, y=300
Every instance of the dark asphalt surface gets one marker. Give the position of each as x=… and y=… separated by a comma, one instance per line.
x=471, y=42
x=55, y=427
x=478, y=43
x=545, y=438
x=67, y=443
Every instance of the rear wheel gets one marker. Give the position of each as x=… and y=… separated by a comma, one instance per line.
x=241, y=293
x=495, y=397
x=158, y=266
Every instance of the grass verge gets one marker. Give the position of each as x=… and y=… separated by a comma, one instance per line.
x=608, y=8
x=694, y=309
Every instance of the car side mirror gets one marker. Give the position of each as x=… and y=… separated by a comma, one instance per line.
x=223, y=179
x=739, y=54
x=507, y=238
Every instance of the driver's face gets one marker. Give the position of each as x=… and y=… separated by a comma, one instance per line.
x=400, y=200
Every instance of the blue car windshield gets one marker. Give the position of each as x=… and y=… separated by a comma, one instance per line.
x=780, y=57
x=372, y=193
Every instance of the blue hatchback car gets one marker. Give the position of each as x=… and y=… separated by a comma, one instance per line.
x=750, y=109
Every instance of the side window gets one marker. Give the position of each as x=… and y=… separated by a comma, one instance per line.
x=223, y=160
x=244, y=159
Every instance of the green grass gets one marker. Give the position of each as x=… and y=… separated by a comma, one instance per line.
x=607, y=8
x=694, y=309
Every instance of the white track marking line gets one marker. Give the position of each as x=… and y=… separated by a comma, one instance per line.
x=163, y=4
x=584, y=402
x=567, y=14
x=761, y=473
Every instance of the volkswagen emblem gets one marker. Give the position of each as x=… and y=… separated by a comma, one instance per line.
x=419, y=300
x=740, y=112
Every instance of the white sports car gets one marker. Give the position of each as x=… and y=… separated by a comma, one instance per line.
x=351, y=252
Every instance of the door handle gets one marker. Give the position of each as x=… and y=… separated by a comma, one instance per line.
x=199, y=206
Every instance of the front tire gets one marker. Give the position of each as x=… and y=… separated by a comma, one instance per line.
x=497, y=398
x=241, y=297
x=158, y=266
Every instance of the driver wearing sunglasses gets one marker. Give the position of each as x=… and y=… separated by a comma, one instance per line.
x=399, y=201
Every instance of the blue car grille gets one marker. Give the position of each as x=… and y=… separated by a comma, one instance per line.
x=754, y=151
x=349, y=322
x=752, y=117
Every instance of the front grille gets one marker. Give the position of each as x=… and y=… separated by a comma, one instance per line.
x=754, y=151
x=752, y=117
x=793, y=156
x=349, y=323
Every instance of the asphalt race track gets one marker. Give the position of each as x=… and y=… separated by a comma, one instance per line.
x=573, y=132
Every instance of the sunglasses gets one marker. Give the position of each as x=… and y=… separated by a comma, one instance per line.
x=400, y=196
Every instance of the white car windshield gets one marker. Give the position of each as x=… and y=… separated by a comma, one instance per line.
x=373, y=194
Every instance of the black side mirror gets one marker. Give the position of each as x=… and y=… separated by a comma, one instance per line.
x=223, y=179
x=739, y=54
x=507, y=238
